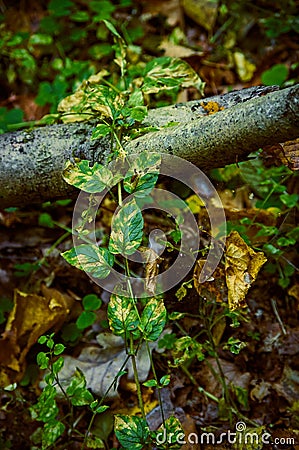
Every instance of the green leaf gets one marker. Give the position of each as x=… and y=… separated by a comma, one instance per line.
x=80, y=16
x=241, y=395
x=42, y=340
x=122, y=315
x=165, y=380
x=86, y=319
x=77, y=391
x=97, y=51
x=101, y=130
x=150, y=383
x=97, y=261
x=91, y=302
x=166, y=73
x=143, y=173
x=77, y=382
x=127, y=229
x=138, y=113
x=94, y=442
x=131, y=431
x=186, y=348
x=46, y=408
x=45, y=220
x=290, y=200
x=267, y=230
x=173, y=432
x=40, y=39
x=70, y=332
x=167, y=341
x=98, y=409
x=234, y=345
x=42, y=360
x=89, y=179
x=136, y=99
x=277, y=74
x=111, y=27
x=50, y=342
x=8, y=117
x=60, y=8
x=294, y=233
x=58, y=349
x=286, y=241
x=284, y=282
x=57, y=365
x=269, y=248
x=153, y=319
x=81, y=397
x=51, y=432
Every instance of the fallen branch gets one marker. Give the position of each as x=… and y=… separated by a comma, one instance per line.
x=31, y=162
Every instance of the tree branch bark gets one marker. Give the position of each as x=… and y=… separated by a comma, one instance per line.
x=31, y=162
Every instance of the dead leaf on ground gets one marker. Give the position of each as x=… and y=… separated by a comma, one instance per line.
x=242, y=265
x=294, y=292
x=101, y=364
x=261, y=390
x=177, y=51
x=288, y=386
x=231, y=372
x=32, y=316
x=212, y=289
x=171, y=9
x=286, y=153
x=203, y=12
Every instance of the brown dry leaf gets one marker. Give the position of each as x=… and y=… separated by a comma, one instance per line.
x=171, y=9
x=176, y=50
x=189, y=427
x=260, y=391
x=286, y=153
x=291, y=153
x=32, y=316
x=213, y=289
x=152, y=261
x=101, y=364
x=288, y=385
x=232, y=373
x=241, y=266
x=294, y=291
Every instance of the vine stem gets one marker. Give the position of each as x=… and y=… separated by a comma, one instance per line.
x=156, y=378
x=100, y=402
x=138, y=387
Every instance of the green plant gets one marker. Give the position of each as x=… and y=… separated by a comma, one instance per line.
x=270, y=193
x=72, y=331
x=120, y=111
x=90, y=303
x=76, y=394
x=208, y=343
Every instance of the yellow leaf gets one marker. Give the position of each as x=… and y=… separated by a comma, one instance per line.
x=244, y=67
x=32, y=316
x=203, y=12
x=241, y=266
